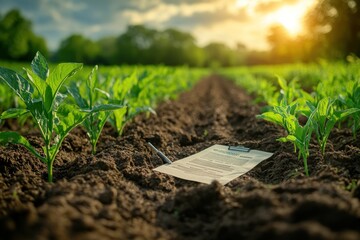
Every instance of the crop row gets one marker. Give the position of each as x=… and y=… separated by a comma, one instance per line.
x=40, y=96
x=324, y=95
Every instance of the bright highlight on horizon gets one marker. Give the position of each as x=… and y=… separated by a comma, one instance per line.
x=290, y=16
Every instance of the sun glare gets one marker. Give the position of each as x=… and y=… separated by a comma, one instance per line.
x=241, y=3
x=291, y=17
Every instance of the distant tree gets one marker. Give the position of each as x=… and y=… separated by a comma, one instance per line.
x=280, y=42
x=142, y=45
x=257, y=58
x=178, y=48
x=334, y=26
x=17, y=40
x=219, y=55
x=108, y=50
x=79, y=49
x=133, y=45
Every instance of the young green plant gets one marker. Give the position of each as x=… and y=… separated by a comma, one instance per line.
x=96, y=120
x=285, y=116
x=325, y=116
x=54, y=118
x=127, y=92
x=351, y=100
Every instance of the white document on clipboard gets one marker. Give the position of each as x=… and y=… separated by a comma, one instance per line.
x=217, y=162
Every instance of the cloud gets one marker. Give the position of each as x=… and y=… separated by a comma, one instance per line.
x=273, y=5
x=208, y=18
x=57, y=19
x=231, y=32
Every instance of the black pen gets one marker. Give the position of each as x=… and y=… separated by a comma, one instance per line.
x=160, y=154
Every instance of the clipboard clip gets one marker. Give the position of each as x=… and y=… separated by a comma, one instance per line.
x=239, y=148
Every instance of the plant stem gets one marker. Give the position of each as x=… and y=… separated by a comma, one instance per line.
x=93, y=148
x=305, y=164
x=323, y=146
x=50, y=171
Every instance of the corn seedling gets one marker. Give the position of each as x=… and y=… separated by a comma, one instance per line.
x=285, y=116
x=324, y=117
x=352, y=100
x=54, y=118
x=98, y=112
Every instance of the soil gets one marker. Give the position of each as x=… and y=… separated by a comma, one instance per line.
x=115, y=194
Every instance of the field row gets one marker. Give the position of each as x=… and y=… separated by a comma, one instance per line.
x=59, y=99
x=306, y=100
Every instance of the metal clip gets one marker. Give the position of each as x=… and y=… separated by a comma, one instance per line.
x=239, y=148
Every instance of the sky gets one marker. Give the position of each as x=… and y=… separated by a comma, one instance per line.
x=228, y=21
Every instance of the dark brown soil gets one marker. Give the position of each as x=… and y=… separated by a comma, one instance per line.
x=116, y=194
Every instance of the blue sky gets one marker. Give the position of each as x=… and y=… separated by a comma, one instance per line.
x=228, y=21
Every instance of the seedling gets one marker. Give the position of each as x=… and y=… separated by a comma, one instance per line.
x=54, y=118
x=325, y=116
x=285, y=116
x=127, y=92
x=99, y=113
x=352, y=100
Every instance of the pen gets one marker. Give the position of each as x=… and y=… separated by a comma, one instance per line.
x=160, y=154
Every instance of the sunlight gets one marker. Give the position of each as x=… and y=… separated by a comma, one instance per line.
x=242, y=3
x=249, y=5
x=290, y=17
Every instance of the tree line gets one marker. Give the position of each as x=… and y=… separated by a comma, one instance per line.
x=332, y=32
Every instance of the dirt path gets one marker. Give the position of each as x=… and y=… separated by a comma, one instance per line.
x=116, y=194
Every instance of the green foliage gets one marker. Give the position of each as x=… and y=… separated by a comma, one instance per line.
x=286, y=116
x=325, y=116
x=126, y=91
x=53, y=118
x=98, y=111
x=146, y=46
x=340, y=20
x=78, y=48
x=351, y=100
x=17, y=40
x=332, y=98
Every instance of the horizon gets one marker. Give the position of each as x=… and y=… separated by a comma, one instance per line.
x=228, y=21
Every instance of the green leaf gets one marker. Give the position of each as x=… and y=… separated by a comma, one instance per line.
x=75, y=93
x=106, y=94
x=59, y=99
x=103, y=107
x=60, y=74
x=16, y=138
x=69, y=117
x=122, y=88
x=282, y=83
x=40, y=67
x=272, y=117
x=290, y=123
x=119, y=118
x=348, y=112
x=42, y=87
x=17, y=83
x=323, y=107
x=13, y=113
x=288, y=138
x=139, y=110
x=91, y=84
x=91, y=81
x=37, y=111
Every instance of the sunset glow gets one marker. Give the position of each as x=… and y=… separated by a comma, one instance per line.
x=227, y=21
x=290, y=17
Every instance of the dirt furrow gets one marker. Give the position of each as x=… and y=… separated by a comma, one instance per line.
x=115, y=194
